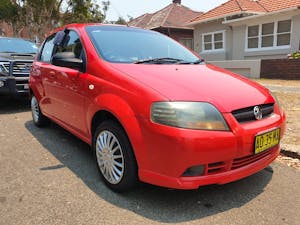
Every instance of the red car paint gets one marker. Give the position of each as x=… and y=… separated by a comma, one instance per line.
x=72, y=98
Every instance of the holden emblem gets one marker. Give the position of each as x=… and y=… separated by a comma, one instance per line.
x=257, y=112
x=91, y=87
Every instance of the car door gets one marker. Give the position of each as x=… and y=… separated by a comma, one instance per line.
x=67, y=86
x=43, y=70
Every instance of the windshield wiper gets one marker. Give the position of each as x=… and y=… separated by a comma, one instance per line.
x=161, y=61
x=167, y=60
x=199, y=61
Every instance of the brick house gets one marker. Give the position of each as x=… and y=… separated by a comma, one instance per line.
x=171, y=21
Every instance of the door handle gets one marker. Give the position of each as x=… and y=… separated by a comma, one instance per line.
x=52, y=74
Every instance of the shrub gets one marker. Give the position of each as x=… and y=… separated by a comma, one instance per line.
x=295, y=55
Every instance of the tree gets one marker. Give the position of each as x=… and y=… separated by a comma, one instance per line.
x=121, y=21
x=84, y=11
x=106, y=5
x=41, y=16
x=130, y=18
x=10, y=13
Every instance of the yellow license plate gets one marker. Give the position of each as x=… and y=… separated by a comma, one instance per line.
x=267, y=140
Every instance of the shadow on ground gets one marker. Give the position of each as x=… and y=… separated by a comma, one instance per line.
x=9, y=105
x=157, y=204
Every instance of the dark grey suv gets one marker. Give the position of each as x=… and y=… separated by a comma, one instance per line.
x=16, y=57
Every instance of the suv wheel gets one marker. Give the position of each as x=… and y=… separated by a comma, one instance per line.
x=115, y=158
x=38, y=118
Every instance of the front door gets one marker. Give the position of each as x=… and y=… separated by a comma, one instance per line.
x=68, y=93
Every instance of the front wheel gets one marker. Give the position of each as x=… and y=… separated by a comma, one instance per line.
x=37, y=116
x=115, y=158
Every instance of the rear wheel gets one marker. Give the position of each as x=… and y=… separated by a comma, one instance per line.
x=37, y=116
x=115, y=158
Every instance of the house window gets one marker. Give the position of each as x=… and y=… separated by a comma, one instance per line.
x=269, y=35
x=284, y=33
x=213, y=41
x=188, y=42
x=253, y=36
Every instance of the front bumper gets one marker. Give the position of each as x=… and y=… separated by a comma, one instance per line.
x=14, y=86
x=226, y=156
x=218, y=178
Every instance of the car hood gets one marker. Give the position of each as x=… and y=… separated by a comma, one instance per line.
x=207, y=83
x=16, y=56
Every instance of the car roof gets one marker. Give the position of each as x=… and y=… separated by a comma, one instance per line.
x=83, y=25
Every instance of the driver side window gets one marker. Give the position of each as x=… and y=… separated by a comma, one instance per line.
x=47, y=50
x=71, y=43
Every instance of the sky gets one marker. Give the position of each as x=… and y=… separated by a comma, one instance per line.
x=136, y=8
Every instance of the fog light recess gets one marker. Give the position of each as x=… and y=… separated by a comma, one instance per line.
x=1, y=84
x=194, y=171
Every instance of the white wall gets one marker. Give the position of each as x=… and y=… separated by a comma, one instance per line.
x=239, y=37
x=247, y=68
x=212, y=27
x=235, y=38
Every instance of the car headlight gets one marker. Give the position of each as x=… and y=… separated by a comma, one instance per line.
x=190, y=115
x=3, y=68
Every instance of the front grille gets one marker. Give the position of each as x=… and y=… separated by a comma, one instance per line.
x=21, y=69
x=247, y=114
x=5, y=66
x=217, y=167
x=244, y=161
x=237, y=163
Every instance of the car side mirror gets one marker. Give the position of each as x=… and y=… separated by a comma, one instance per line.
x=67, y=59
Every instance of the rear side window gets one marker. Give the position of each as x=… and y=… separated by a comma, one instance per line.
x=47, y=51
x=71, y=43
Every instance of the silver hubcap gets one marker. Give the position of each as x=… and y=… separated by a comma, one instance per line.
x=110, y=157
x=35, y=109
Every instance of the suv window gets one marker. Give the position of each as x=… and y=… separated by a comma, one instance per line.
x=47, y=49
x=71, y=43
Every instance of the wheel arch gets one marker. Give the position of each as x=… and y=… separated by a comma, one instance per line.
x=101, y=116
x=112, y=107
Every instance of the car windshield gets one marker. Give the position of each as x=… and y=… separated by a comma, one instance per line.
x=132, y=45
x=12, y=45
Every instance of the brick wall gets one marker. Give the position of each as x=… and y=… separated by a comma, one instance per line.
x=176, y=33
x=288, y=69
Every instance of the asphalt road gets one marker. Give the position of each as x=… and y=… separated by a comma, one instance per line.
x=47, y=176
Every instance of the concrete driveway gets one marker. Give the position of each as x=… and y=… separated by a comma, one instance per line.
x=47, y=176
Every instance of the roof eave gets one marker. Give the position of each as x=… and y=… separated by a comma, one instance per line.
x=171, y=27
x=261, y=15
x=222, y=17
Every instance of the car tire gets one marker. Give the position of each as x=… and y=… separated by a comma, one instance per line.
x=37, y=116
x=114, y=156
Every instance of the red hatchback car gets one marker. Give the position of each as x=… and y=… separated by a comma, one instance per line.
x=151, y=109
